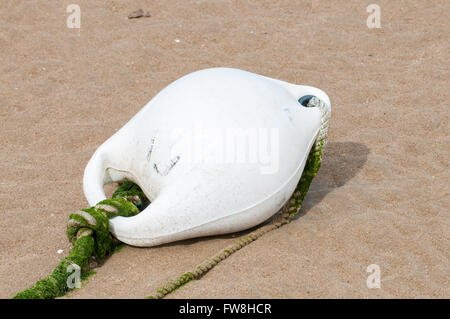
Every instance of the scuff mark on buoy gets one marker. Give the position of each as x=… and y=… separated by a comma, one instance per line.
x=152, y=144
x=173, y=162
x=169, y=167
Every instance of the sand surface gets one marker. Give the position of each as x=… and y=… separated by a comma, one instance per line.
x=381, y=196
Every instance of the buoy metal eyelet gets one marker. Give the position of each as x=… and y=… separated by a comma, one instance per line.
x=304, y=100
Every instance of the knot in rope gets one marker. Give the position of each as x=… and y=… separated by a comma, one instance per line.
x=94, y=221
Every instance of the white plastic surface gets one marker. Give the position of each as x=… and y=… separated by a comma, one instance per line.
x=196, y=191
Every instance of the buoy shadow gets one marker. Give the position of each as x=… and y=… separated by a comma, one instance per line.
x=341, y=162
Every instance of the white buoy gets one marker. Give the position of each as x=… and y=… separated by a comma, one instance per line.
x=217, y=151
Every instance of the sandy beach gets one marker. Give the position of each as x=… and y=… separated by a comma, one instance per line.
x=381, y=196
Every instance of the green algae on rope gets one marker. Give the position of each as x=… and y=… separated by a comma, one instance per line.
x=88, y=231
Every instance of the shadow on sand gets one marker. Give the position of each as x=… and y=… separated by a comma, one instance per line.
x=341, y=162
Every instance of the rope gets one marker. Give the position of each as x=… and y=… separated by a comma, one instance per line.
x=283, y=217
x=88, y=231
